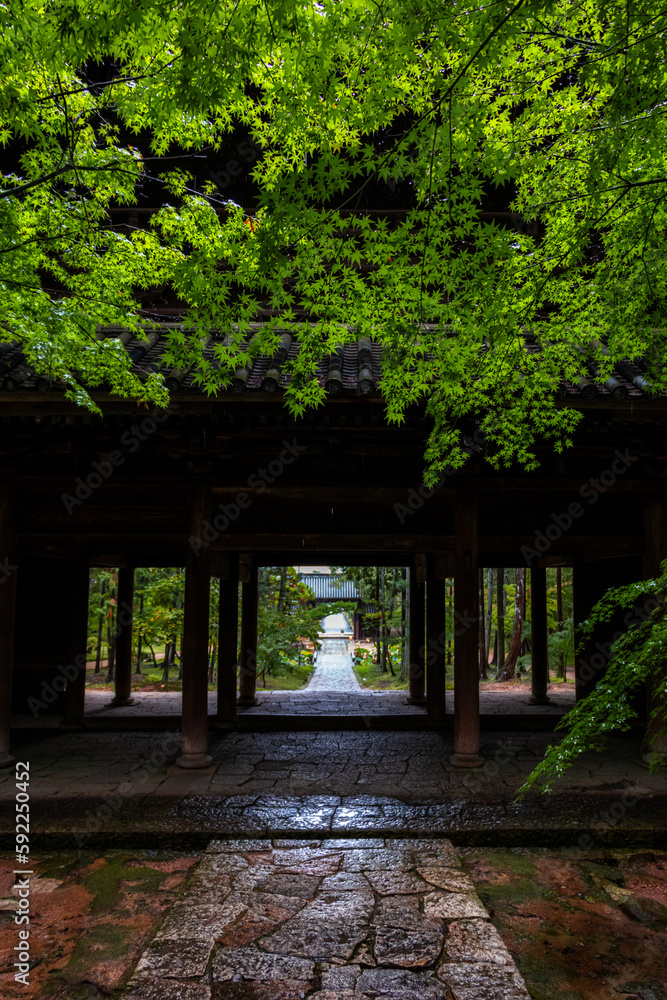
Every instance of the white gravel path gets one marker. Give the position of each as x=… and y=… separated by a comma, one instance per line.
x=333, y=664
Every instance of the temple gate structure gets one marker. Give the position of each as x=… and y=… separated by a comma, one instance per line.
x=225, y=484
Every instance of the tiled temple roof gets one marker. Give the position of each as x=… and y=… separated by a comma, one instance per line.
x=324, y=587
x=355, y=368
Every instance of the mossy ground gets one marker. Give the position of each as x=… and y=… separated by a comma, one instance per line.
x=580, y=927
x=284, y=679
x=91, y=917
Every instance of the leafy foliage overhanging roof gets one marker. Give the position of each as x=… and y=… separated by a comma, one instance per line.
x=558, y=108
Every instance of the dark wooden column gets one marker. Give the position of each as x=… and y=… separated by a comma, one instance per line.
x=417, y=632
x=655, y=550
x=466, y=656
x=248, y=659
x=226, y=716
x=194, y=723
x=8, y=571
x=75, y=670
x=123, y=671
x=539, y=661
x=435, y=638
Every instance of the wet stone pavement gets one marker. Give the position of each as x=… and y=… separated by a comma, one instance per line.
x=321, y=701
x=92, y=788
x=327, y=920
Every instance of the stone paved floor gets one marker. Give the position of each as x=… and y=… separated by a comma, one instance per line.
x=316, y=702
x=330, y=920
x=333, y=666
x=99, y=788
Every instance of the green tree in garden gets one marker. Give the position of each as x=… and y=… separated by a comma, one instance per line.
x=636, y=657
x=160, y=620
x=386, y=589
x=100, y=613
x=445, y=109
x=287, y=617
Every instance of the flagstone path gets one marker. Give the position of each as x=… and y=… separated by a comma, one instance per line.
x=328, y=919
x=333, y=663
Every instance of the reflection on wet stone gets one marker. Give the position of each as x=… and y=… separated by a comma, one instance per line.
x=328, y=920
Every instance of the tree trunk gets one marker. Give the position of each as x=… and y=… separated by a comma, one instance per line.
x=559, y=617
x=141, y=608
x=111, y=653
x=98, y=653
x=500, y=658
x=152, y=654
x=489, y=616
x=481, y=630
x=509, y=669
x=405, y=625
x=378, y=621
x=281, y=591
x=387, y=620
x=100, y=628
x=211, y=664
x=166, y=663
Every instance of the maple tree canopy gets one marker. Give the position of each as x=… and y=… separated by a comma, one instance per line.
x=526, y=143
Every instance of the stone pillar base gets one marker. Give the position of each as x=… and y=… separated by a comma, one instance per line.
x=6, y=759
x=247, y=702
x=117, y=701
x=536, y=699
x=466, y=760
x=194, y=760
x=416, y=701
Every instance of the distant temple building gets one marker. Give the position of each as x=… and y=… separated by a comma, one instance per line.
x=329, y=587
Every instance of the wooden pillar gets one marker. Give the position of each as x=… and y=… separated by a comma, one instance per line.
x=75, y=670
x=539, y=661
x=123, y=670
x=655, y=550
x=8, y=571
x=436, y=636
x=417, y=631
x=226, y=717
x=248, y=659
x=466, y=655
x=194, y=723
